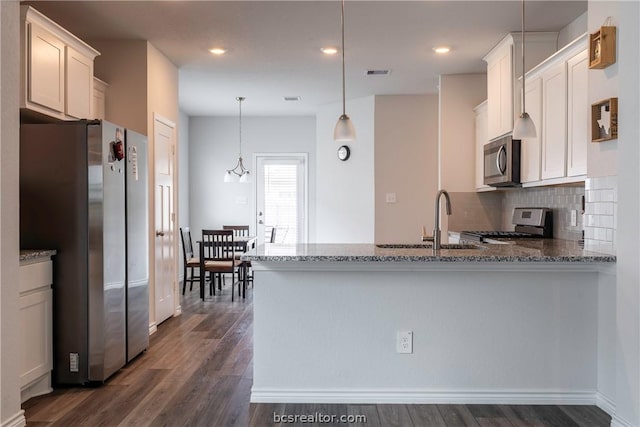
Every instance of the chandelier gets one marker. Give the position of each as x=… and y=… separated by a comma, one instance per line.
x=239, y=173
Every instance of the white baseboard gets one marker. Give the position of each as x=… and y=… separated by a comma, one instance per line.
x=153, y=328
x=18, y=420
x=509, y=397
x=178, y=311
x=606, y=403
x=620, y=422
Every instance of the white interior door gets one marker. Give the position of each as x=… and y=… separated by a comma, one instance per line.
x=164, y=157
x=281, y=197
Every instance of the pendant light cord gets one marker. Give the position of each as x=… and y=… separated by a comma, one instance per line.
x=523, y=88
x=240, y=99
x=344, y=108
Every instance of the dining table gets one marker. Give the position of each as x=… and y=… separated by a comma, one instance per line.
x=241, y=244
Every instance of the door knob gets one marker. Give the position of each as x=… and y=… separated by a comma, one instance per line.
x=159, y=233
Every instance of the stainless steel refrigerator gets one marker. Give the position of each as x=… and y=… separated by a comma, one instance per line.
x=74, y=196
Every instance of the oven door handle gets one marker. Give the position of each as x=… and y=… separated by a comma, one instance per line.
x=501, y=160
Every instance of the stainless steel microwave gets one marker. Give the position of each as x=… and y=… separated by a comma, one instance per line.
x=502, y=162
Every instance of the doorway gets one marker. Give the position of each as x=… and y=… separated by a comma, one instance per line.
x=165, y=258
x=281, y=197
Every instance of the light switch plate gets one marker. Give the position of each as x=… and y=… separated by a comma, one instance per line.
x=241, y=200
x=391, y=198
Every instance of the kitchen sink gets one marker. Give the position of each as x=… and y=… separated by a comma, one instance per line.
x=428, y=246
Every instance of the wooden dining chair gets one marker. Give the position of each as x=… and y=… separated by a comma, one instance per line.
x=241, y=231
x=217, y=256
x=190, y=261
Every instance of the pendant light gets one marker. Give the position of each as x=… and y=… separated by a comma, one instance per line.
x=344, y=130
x=524, y=127
x=238, y=173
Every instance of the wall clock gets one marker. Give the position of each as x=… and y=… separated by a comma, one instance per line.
x=343, y=153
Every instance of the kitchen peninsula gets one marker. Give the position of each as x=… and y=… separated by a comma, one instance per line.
x=529, y=323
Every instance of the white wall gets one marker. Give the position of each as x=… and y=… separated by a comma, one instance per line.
x=406, y=163
x=626, y=16
x=213, y=148
x=573, y=30
x=123, y=65
x=345, y=203
x=183, y=182
x=10, y=412
x=602, y=157
x=459, y=94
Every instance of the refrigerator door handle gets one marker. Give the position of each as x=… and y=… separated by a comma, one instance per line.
x=159, y=233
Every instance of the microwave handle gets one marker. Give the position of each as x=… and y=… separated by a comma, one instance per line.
x=501, y=161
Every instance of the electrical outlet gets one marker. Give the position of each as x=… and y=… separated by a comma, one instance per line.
x=574, y=217
x=390, y=197
x=404, y=343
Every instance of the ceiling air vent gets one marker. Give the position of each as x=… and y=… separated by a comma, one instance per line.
x=292, y=98
x=377, y=72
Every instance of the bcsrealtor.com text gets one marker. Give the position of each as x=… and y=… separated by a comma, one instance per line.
x=318, y=418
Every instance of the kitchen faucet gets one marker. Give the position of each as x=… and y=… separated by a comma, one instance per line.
x=437, y=239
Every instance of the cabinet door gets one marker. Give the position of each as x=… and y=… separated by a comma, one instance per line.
x=99, y=100
x=554, y=131
x=45, y=70
x=531, y=147
x=493, y=100
x=506, y=92
x=481, y=139
x=35, y=335
x=79, y=84
x=500, y=93
x=577, y=114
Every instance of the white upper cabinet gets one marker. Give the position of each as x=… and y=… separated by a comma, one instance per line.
x=500, y=91
x=563, y=122
x=482, y=126
x=577, y=114
x=554, y=117
x=99, y=98
x=79, y=84
x=530, y=148
x=57, y=69
x=45, y=77
x=504, y=67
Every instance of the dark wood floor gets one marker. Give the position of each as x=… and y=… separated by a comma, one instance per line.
x=198, y=372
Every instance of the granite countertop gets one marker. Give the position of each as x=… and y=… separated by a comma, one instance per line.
x=525, y=250
x=31, y=254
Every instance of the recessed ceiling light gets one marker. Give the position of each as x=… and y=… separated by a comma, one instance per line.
x=329, y=50
x=442, y=49
x=218, y=51
x=291, y=98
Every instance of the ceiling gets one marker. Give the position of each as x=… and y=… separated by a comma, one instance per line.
x=274, y=46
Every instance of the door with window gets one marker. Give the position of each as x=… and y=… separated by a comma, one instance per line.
x=281, y=198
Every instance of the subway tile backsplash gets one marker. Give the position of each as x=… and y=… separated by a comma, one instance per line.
x=562, y=200
x=494, y=210
x=601, y=212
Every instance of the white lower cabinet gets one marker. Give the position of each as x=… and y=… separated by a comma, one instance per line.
x=558, y=104
x=36, y=318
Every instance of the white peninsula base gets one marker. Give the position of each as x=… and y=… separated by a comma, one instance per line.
x=509, y=333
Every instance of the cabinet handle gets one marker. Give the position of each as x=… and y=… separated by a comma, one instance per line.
x=159, y=233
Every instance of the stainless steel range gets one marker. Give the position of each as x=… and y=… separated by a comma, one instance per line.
x=529, y=223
